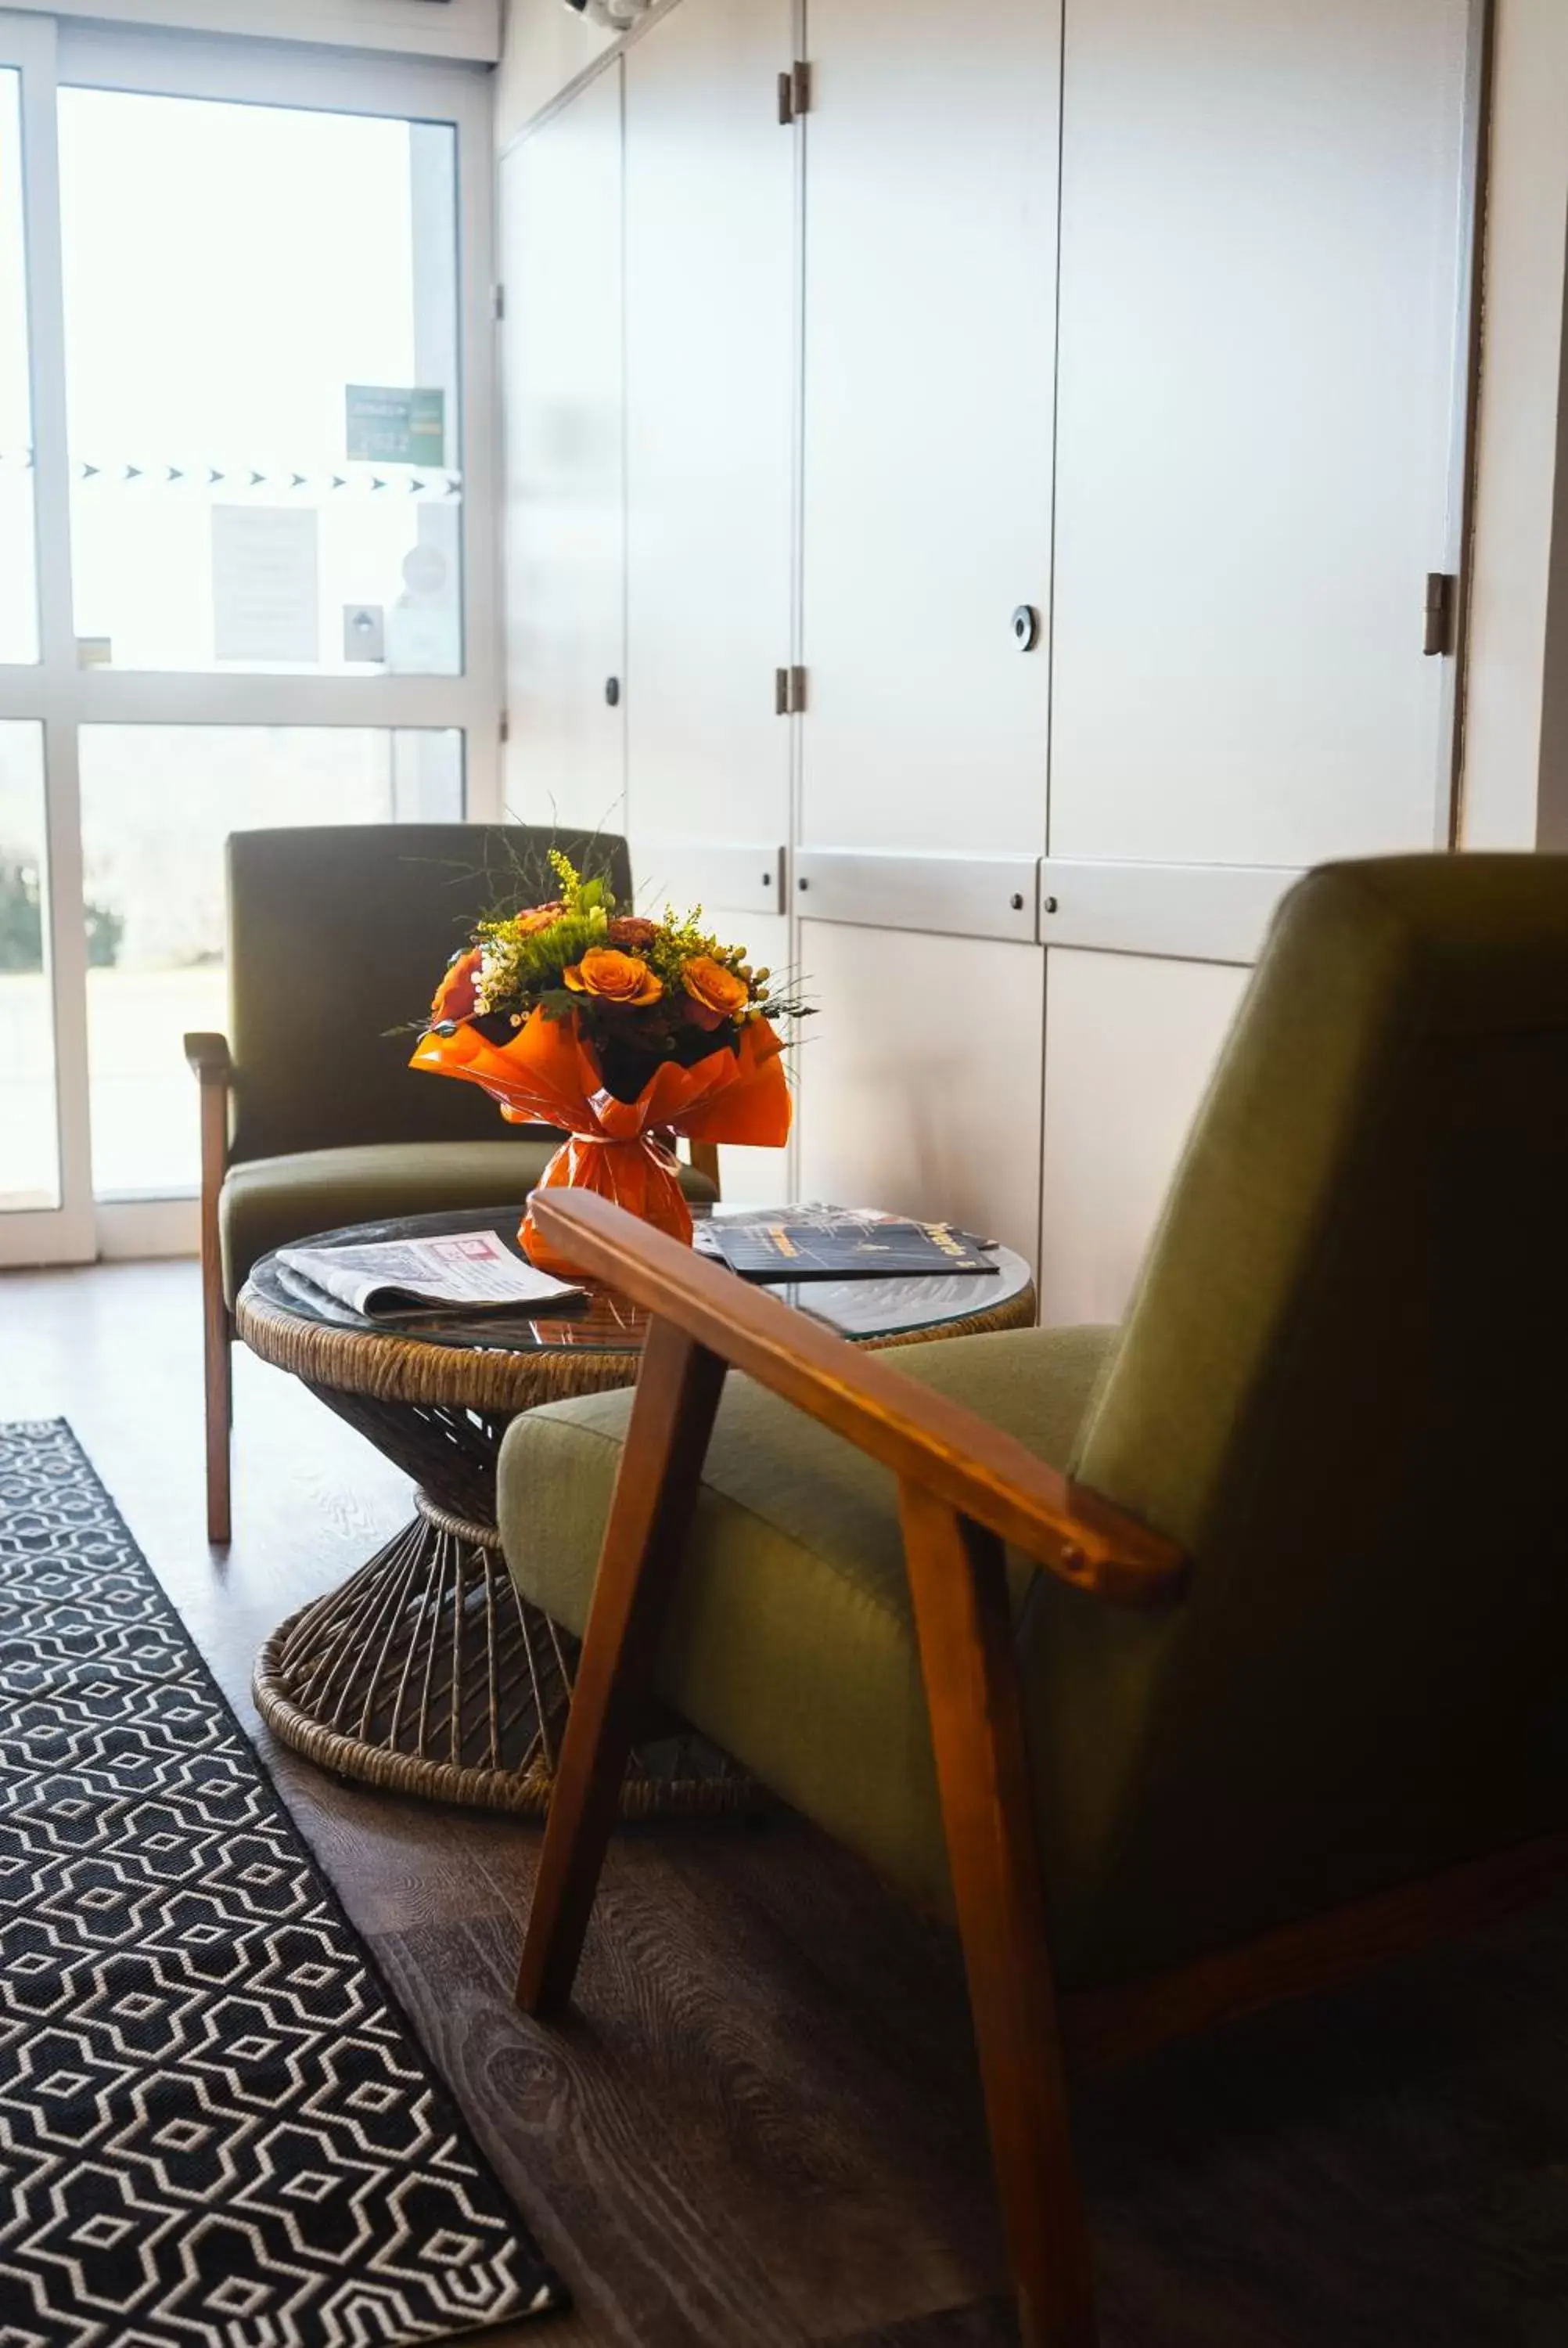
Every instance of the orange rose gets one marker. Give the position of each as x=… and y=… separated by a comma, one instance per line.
x=614, y=977
x=456, y=996
x=715, y=991
x=537, y=918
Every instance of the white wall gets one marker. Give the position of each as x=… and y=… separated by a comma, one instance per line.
x=1515, y=791
x=544, y=46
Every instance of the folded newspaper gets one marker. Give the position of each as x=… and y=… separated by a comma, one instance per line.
x=471, y=1269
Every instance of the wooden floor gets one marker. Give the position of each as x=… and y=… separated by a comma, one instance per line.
x=760, y=2126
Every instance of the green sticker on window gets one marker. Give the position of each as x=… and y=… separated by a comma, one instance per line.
x=387, y=424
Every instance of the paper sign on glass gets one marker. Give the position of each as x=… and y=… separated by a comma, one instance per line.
x=264, y=585
x=388, y=425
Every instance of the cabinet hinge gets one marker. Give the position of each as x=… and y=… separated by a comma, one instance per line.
x=1442, y=608
x=789, y=692
x=795, y=92
x=498, y=302
x=504, y=727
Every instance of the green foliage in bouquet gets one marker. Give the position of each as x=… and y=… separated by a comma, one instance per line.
x=641, y=991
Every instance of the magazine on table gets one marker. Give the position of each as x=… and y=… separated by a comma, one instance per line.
x=470, y=1270
x=842, y=1243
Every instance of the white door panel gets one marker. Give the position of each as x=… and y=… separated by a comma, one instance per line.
x=710, y=344
x=744, y=876
x=1261, y=238
x=1131, y=1042
x=562, y=372
x=1190, y=913
x=920, y=1082
x=930, y=233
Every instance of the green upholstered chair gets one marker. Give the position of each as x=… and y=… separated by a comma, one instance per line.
x=311, y=1117
x=1338, y=1398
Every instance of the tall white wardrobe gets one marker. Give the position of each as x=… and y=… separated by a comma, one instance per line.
x=975, y=532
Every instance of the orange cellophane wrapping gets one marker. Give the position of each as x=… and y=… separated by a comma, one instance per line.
x=548, y=1074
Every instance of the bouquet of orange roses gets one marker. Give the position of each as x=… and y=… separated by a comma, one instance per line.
x=619, y=1030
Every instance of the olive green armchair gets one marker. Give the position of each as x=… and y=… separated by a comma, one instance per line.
x=1188, y=1665
x=311, y=1117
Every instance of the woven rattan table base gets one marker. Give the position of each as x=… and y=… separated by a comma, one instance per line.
x=426, y=1672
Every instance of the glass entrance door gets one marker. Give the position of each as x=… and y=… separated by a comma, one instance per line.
x=244, y=531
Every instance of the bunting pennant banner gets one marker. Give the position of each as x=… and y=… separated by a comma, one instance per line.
x=282, y=481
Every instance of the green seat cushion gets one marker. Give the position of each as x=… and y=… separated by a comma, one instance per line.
x=267, y=1202
x=792, y=1644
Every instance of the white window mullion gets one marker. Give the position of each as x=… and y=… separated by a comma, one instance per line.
x=482, y=574
x=47, y=339
x=107, y=696
x=67, y=1233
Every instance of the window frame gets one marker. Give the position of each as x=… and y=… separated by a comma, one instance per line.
x=64, y=697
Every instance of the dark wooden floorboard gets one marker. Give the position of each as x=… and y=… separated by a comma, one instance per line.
x=760, y=2126
x=985, y=2324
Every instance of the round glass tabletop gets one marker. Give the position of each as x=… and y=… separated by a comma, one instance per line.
x=603, y=1322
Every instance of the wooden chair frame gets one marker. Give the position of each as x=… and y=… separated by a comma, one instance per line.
x=964, y=1489
x=209, y=1058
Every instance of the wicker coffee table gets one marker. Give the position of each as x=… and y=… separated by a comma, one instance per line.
x=425, y=1672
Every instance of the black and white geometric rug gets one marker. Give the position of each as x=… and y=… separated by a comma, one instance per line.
x=215, y=2129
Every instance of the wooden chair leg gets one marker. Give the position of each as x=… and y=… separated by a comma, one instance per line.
x=678, y=1393
x=217, y=1378
x=218, y=1344
x=217, y=1329
x=963, y=1621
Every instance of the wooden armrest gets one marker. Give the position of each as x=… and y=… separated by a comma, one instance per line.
x=209, y=1058
x=924, y=1439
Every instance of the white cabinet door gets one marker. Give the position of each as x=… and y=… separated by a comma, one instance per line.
x=562, y=412
x=1131, y=1042
x=710, y=346
x=711, y=366
x=1261, y=242
x=920, y=1082
x=930, y=230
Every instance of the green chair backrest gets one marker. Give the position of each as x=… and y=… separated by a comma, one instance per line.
x=337, y=935
x=1342, y=1386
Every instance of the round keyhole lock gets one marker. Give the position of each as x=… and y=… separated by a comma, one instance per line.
x=1026, y=627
